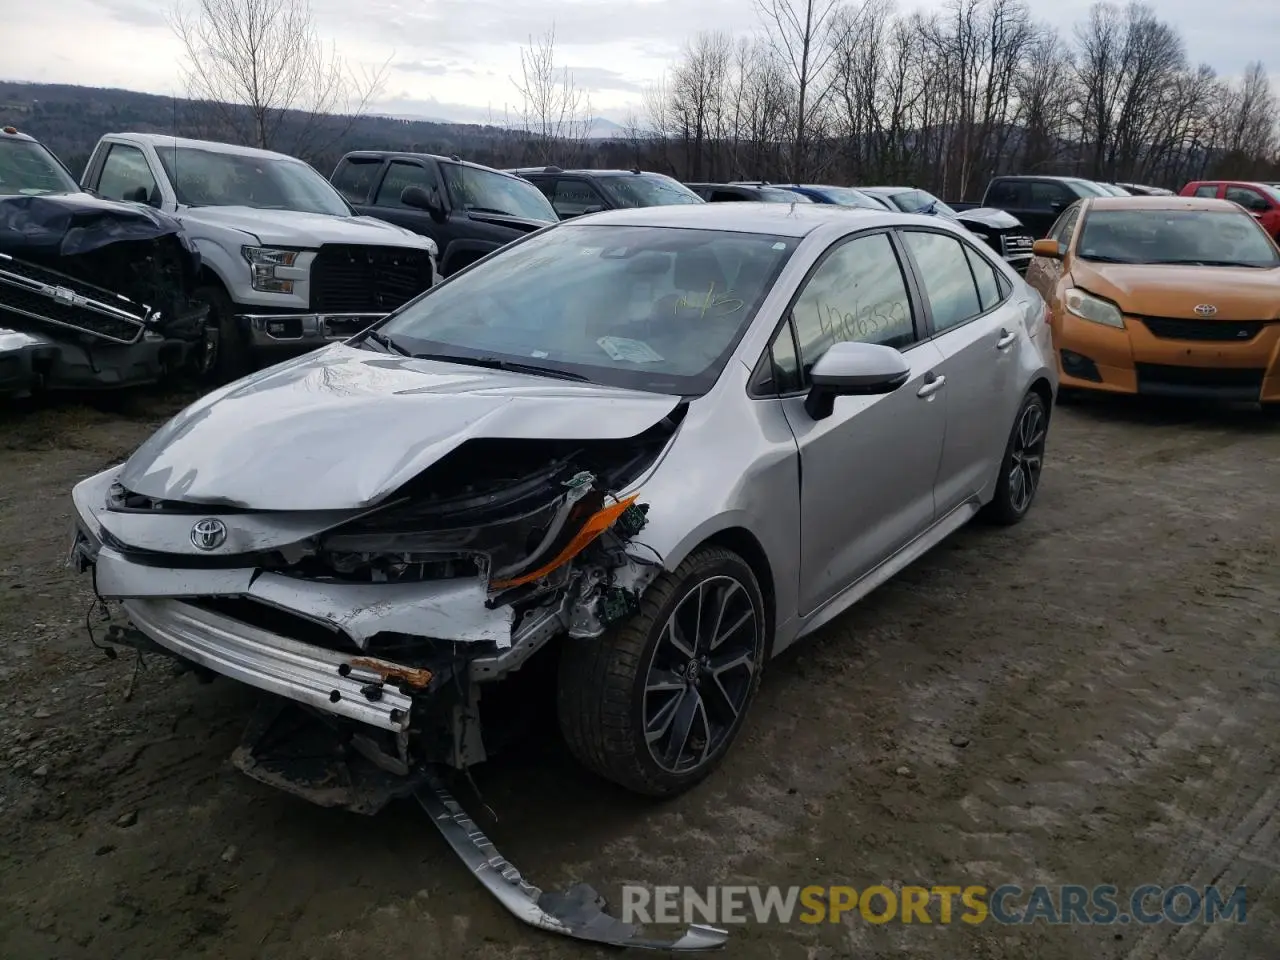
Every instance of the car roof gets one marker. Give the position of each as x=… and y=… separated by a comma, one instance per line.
x=16, y=134
x=1160, y=202
x=583, y=172
x=771, y=219
x=888, y=190
x=211, y=146
x=412, y=155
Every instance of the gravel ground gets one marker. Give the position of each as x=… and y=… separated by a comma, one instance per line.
x=1089, y=697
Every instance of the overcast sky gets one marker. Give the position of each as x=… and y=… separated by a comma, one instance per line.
x=455, y=59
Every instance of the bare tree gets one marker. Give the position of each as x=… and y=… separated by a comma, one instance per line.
x=697, y=94
x=263, y=75
x=800, y=31
x=554, y=112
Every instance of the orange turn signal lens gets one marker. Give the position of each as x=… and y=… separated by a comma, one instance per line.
x=597, y=524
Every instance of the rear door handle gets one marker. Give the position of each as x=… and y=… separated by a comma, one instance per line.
x=932, y=385
x=1006, y=339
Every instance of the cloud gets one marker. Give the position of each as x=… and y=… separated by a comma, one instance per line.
x=592, y=79
x=135, y=12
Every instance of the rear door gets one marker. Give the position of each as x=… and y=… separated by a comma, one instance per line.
x=978, y=327
x=867, y=471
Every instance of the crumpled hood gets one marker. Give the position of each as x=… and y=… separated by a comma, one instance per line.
x=1239, y=293
x=68, y=224
x=989, y=217
x=343, y=428
x=285, y=227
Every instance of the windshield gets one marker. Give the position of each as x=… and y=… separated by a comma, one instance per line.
x=777, y=195
x=650, y=308
x=919, y=201
x=848, y=197
x=1089, y=188
x=207, y=178
x=1213, y=237
x=28, y=169
x=485, y=191
x=646, y=190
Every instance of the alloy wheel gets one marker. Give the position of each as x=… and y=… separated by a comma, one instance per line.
x=700, y=674
x=1027, y=457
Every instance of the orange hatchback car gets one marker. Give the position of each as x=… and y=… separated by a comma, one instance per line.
x=1168, y=296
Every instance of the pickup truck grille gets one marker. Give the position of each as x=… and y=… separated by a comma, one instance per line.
x=1016, y=246
x=32, y=292
x=352, y=279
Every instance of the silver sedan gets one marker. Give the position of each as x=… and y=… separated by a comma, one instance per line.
x=648, y=448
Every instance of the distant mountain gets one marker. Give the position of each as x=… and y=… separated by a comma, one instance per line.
x=69, y=120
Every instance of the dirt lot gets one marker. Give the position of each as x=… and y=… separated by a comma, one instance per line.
x=1090, y=697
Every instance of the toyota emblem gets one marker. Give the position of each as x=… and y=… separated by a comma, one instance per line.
x=209, y=534
x=1206, y=310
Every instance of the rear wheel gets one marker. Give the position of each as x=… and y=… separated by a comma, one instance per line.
x=1022, y=463
x=655, y=703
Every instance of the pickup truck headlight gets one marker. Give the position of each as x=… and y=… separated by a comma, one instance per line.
x=263, y=262
x=1088, y=307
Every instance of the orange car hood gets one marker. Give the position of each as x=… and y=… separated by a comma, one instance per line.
x=1239, y=293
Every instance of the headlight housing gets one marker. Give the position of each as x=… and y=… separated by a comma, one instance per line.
x=263, y=263
x=1086, y=306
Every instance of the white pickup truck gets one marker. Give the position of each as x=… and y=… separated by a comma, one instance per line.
x=287, y=264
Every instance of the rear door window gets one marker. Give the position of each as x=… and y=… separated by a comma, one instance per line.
x=356, y=177
x=948, y=281
x=1207, y=190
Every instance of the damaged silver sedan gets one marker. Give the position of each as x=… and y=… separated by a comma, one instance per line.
x=651, y=447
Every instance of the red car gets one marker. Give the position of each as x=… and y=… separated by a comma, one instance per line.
x=1260, y=199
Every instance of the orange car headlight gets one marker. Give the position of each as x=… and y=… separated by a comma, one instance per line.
x=1086, y=306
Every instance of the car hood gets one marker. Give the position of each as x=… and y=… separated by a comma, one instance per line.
x=343, y=428
x=68, y=224
x=988, y=217
x=1238, y=293
x=292, y=228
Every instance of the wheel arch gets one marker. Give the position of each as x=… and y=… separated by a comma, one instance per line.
x=743, y=542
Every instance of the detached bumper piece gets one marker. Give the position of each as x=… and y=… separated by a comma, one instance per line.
x=60, y=300
x=578, y=912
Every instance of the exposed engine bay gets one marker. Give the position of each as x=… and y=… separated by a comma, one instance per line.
x=94, y=294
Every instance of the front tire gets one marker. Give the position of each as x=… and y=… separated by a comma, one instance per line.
x=655, y=702
x=1021, y=465
x=232, y=358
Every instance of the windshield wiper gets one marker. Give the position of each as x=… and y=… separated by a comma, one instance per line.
x=1207, y=263
x=500, y=363
x=1099, y=258
x=382, y=340
x=502, y=213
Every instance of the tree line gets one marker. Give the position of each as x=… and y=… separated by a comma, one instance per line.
x=860, y=93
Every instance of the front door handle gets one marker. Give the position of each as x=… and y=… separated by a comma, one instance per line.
x=932, y=385
x=1006, y=339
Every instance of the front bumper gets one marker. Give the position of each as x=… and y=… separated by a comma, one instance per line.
x=1197, y=361
x=278, y=331
x=332, y=681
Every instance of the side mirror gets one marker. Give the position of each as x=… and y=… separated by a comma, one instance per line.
x=850, y=369
x=420, y=199
x=1049, y=248
x=592, y=209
